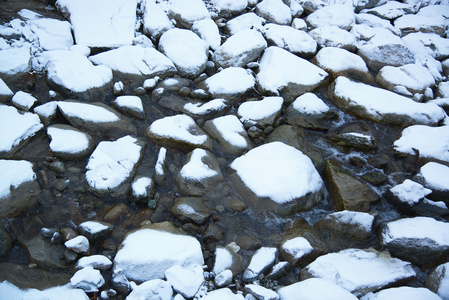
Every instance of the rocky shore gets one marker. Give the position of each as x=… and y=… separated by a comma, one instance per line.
x=223, y=149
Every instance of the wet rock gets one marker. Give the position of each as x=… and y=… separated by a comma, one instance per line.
x=376, y=178
x=230, y=83
x=295, y=41
x=260, y=263
x=437, y=281
x=295, y=250
x=42, y=252
x=347, y=192
x=5, y=241
x=68, y=234
x=79, y=244
x=279, y=270
x=200, y=174
x=69, y=143
x=212, y=234
x=354, y=137
x=95, y=231
x=130, y=105
x=309, y=111
x=234, y=204
x=57, y=166
x=191, y=210
x=227, y=258
x=115, y=212
x=248, y=242
x=262, y=113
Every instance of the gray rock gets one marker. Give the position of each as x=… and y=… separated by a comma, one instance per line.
x=354, y=136
x=43, y=253
x=95, y=231
x=226, y=258
x=355, y=225
x=190, y=209
x=5, y=241
x=130, y=105
x=437, y=281
x=62, y=146
x=390, y=10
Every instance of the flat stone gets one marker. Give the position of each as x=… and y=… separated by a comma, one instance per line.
x=191, y=209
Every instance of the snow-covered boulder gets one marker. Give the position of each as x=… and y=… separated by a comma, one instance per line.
x=222, y=294
x=314, y=288
x=200, y=174
x=403, y=292
x=5, y=91
x=207, y=110
x=186, y=50
x=375, y=21
x=95, y=231
x=67, y=142
x=136, y=60
x=112, y=165
x=14, y=60
x=295, y=250
x=415, y=78
x=333, y=36
x=339, y=15
x=230, y=134
x=11, y=291
x=419, y=23
x=130, y=105
x=274, y=11
x=47, y=112
x=101, y=23
x=381, y=105
x=17, y=129
x=96, y=118
x=308, y=111
x=438, y=281
x=208, y=30
x=427, y=43
x=52, y=34
x=390, y=10
x=231, y=83
x=283, y=73
x=79, y=244
x=295, y=41
x=421, y=240
x=359, y=271
x=278, y=178
x=187, y=12
x=99, y=262
x=245, y=21
x=23, y=101
x=433, y=176
x=230, y=7
x=185, y=281
x=426, y=141
x=260, y=263
x=241, y=48
x=353, y=224
x=179, y=131
x=152, y=289
x=147, y=253
x=260, y=292
x=226, y=258
x=87, y=279
x=262, y=112
x=155, y=20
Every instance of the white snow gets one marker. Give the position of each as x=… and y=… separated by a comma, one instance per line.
x=224, y=278
x=390, y=10
x=66, y=292
x=23, y=100
x=337, y=60
x=15, y=60
x=412, y=76
x=290, y=39
x=245, y=21
x=375, y=21
x=52, y=34
x=230, y=6
x=338, y=15
x=75, y=72
x=66, y=140
x=410, y=192
x=4, y=89
x=427, y=43
x=201, y=108
x=314, y=288
x=135, y=60
x=156, y=289
x=140, y=185
x=87, y=112
x=297, y=247
x=208, y=30
x=147, y=253
x=189, y=11
x=333, y=36
x=99, y=262
x=417, y=228
x=185, y=49
x=435, y=176
x=93, y=227
x=223, y=260
x=260, y=261
x=262, y=111
x=277, y=171
x=431, y=142
x=279, y=68
x=111, y=163
x=195, y=168
x=356, y=270
x=13, y=174
x=274, y=11
x=177, y=127
x=378, y=102
x=87, y=279
x=402, y=293
x=186, y=281
x=101, y=23
x=231, y=131
x=20, y=127
x=416, y=23
x=46, y=110
x=160, y=163
x=360, y=219
x=261, y=292
x=222, y=294
x=230, y=81
x=79, y=244
x=309, y=103
x=155, y=20
x=132, y=102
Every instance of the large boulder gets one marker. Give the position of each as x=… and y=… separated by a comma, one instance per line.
x=295, y=41
x=187, y=12
x=415, y=78
x=403, y=292
x=262, y=112
x=15, y=60
x=338, y=15
x=231, y=83
x=275, y=11
x=433, y=176
x=155, y=20
x=52, y=34
x=333, y=36
x=438, y=281
x=69, y=143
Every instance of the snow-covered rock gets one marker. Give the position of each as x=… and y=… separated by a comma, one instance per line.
x=261, y=292
x=403, y=292
x=230, y=7
x=147, y=253
x=101, y=23
x=66, y=292
x=187, y=12
x=314, y=288
x=67, y=142
x=186, y=50
x=438, y=281
x=430, y=142
x=295, y=249
x=208, y=30
x=142, y=189
x=359, y=271
x=207, y=110
x=414, y=77
x=15, y=60
x=427, y=43
x=23, y=101
x=284, y=183
x=308, y=111
x=227, y=259
x=159, y=168
x=152, y=289
x=87, y=279
x=381, y=105
x=245, y=21
x=230, y=134
x=374, y=21
x=262, y=112
x=274, y=11
x=338, y=15
x=179, y=131
x=99, y=262
x=79, y=244
x=353, y=224
x=260, y=263
x=390, y=10
x=191, y=209
x=295, y=41
x=155, y=20
x=95, y=231
x=112, y=164
x=200, y=174
x=282, y=72
x=241, y=48
x=419, y=23
x=52, y=34
x=231, y=83
x=96, y=118
x=5, y=91
x=130, y=105
x=421, y=240
x=136, y=60
x=333, y=36
x=21, y=127
x=222, y=294
x=433, y=175
x=186, y=281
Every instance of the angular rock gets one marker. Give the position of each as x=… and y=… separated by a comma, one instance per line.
x=5, y=241
x=130, y=105
x=191, y=209
x=15, y=60
x=155, y=20
x=95, y=231
x=404, y=292
x=295, y=250
x=427, y=43
x=227, y=258
x=157, y=288
x=69, y=143
x=298, y=185
x=186, y=281
x=356, y=225
x=262, y=112
x=274, y=11
x=333, y=36
x=23, y=101
x=231, y=83
x=43, y=253
x=179, y=131
x=283, y=73
x=338, y=15
x=309, y=111
x=209, y=110
x=295, y=41
x=99, y=262
x=52, y=34
x=345, y=191
x=360, y=271
x=438, y=281
x=415, y=78
x=314, y=288
x=208, y=30
x=260, y=263
x=5, y=91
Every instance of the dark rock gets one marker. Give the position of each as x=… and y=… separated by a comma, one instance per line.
x=375, y=177
x=235, y=204
x=248, y=242
x=115, y=212
x=42, y=252
x=57, y=166
x=68, y=234
x=191, y=209
x=95, y=231
x=213, y=233
x=20, y=198
x=5, y=241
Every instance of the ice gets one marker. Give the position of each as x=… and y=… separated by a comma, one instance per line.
x=67, y=292
x=52, y=34
x=338, y=15
x=101, y=23
x=297, y=247
x=14, y=173
x=402, y=293
x=435, y=176
x=65, y=140
x=23, y=100
x=262, y=111
x=21, y=126
x=207, y=29
x=87, y=112
x=99, y=262
x=15, y=60
x=87, y=279
x=135, y=60
x=155, y=20
x=314, y=288
x=156, y=289
x=309, y=103
x=195, y=168
x=230, y=81
x=5, y=91
x=278, y=171
x=410, y=192
x=430, y=142
x=186, y=281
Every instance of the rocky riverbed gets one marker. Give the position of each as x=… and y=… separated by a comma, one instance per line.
x=219, y=149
